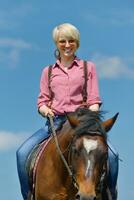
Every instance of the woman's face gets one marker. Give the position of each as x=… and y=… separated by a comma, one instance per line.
x=66, y=46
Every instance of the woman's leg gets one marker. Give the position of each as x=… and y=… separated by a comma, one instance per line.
x=22, y=155
x=113, y=170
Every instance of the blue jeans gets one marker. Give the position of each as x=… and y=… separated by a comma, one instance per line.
x=43, y=133
x=113, y=158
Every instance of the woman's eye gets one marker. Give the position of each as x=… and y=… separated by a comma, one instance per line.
x=71, y=41
x=62, y=41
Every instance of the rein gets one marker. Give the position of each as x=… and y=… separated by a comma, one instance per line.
x=60, y=152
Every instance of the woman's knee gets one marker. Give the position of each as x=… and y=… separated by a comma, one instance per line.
x=29, y=144
x=113, y=155
x=20, y=153
x=113, y=163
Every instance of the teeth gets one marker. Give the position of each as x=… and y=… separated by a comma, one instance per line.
x=67, y=50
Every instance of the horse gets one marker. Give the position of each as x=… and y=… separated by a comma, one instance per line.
x=83, y=143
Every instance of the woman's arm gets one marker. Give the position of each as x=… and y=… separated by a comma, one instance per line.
x=93, y=98
x=44, y=100
x=94, y=107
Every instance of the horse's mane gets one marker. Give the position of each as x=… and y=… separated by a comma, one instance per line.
x=90, y=122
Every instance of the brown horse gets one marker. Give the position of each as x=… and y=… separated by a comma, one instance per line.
x=83, y=142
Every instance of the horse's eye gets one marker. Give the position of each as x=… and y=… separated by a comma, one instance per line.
x=75, y=151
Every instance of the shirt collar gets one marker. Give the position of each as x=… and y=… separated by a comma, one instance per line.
x=76, y=61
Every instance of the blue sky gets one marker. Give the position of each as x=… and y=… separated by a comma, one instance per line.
x=26, y=46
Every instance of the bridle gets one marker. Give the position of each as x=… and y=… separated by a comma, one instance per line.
x=68, y=165
x=103, y=175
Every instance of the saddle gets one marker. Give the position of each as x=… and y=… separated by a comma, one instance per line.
x=32, y=162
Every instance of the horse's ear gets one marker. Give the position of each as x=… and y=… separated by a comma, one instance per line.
x=73, y=119
x=109, y=123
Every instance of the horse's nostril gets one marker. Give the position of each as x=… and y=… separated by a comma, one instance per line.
x=77, y=197
x=93, y=198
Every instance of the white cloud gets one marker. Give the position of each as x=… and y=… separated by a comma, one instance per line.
x=9, y=58
x=10, y=140
x=11, y=50
x=112, y=67
x=14, y=43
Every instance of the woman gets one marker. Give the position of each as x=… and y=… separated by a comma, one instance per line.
x=66, y=85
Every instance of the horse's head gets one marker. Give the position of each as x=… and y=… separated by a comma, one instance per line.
x=89, y=151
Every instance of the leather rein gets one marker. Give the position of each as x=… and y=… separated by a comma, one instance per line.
x=74, y=181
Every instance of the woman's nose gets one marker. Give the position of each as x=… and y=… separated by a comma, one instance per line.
x=67, y=44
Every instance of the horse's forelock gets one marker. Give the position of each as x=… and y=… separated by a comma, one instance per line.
x=90, y=122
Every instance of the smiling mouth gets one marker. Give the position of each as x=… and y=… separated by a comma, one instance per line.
x=67, y=50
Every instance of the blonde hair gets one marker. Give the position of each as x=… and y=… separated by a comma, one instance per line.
x=68, y=30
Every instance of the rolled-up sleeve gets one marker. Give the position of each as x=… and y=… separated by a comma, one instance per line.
x=43, y=98
x=92, y=86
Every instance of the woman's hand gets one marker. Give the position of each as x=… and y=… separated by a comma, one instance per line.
x=94, y=107
x=44, y=111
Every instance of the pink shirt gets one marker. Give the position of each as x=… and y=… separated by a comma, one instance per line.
x=67, y=87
